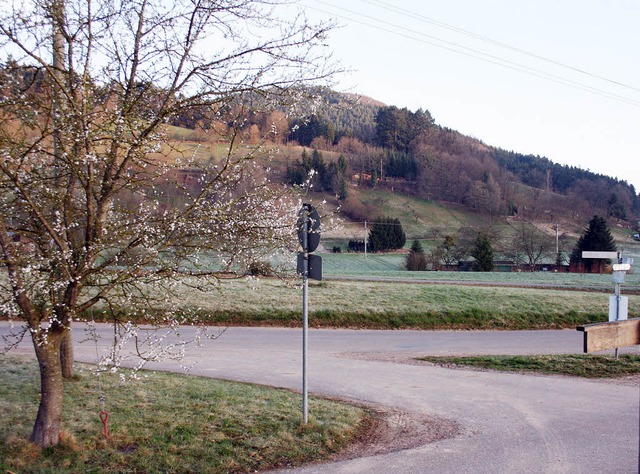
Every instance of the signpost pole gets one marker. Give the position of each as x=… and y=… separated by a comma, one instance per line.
x=618, y=305
x=309, y=266
x=617, y=296
x=365, y=239
x=305, y=316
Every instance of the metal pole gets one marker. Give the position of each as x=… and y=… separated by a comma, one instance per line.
x=617, y=293
x=365, y=239
x=305, y=317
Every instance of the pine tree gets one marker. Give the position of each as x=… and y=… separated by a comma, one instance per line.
x=483, y=253
x=386, y=234
x=596, y=237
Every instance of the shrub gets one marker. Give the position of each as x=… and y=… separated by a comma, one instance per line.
x=260, y=268
x=416, y=259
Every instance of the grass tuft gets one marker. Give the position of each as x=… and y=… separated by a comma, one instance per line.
x=579, y=365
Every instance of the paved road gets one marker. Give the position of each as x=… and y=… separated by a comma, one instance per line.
x=509, y=423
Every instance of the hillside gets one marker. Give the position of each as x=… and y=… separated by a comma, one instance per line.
x=372, y=160
x=441, y=164
x=389, y=149
x=381, y=160
x=357, y=143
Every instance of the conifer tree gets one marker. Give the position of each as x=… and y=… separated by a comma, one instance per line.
x=596, y=237
x=386, y=234
x=483, y=253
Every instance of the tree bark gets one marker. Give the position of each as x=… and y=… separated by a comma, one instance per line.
x=66, y=353
x=46, y=430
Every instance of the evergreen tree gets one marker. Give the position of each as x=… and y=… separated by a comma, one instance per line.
x=596, y=237
x=320, y=179
x=340, y=187
x=400, y=165
x=298, y=173
x=396, y=128
x=305, y=130
x=386, y=234
x=336, y=178
x=482, y=251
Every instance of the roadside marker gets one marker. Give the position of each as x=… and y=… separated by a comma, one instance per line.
x=616, y=333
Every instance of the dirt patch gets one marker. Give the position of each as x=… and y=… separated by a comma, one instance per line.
x=388, y=430
x=407, y=358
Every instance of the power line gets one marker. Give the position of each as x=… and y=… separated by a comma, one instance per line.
x=426, y=19
x=477, y=54
x=470, y=52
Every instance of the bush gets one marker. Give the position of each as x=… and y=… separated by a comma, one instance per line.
x=416, y=262
x=260, y=268
x=416, y=259
x=353, y=208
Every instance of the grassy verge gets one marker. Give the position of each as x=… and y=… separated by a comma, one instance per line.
x=167, y=423
x=384, y=305
x=472, y=318
x=579, y=365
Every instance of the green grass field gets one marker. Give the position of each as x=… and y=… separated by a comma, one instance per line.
x=392, y=305
x=578, y=365
x=392, y=265
x=167, y=423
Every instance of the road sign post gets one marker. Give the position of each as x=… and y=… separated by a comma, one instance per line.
x=616, y=333
x=310, y=266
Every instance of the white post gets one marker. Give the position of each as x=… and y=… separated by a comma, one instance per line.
x=617, y=294
x=365, y=239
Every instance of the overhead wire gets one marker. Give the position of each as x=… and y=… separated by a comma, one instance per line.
x=471, y=52
x=426, y=19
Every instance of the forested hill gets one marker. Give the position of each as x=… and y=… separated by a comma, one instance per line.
x=409, y=152
x=360, y=142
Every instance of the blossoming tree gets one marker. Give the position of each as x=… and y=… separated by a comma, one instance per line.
x=98, y=208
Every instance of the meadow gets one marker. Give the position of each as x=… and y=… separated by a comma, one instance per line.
x=410, y=304
x=392, y=266
x=166, y=422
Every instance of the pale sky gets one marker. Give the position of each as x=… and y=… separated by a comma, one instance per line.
x=572, y=92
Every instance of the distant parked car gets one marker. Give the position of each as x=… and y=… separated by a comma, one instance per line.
x=636, y=236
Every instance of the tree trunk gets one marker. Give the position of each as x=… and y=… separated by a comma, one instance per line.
x=66, y=353
x=46, y=430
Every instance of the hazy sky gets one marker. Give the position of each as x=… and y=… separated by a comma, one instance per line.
x=555, y=78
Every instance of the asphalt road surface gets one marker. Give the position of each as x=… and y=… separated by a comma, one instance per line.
x=508, y=423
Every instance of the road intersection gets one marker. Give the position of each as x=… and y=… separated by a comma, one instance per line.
x=507, y=423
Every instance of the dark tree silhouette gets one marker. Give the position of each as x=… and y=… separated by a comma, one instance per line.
x=482, y=251
x=596, y=237
x=386, y=234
